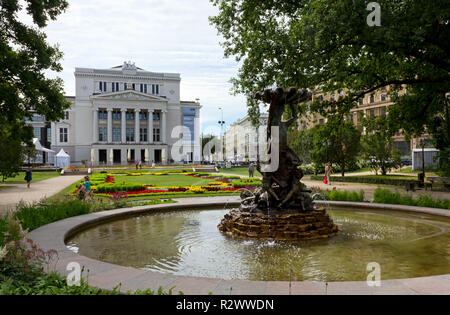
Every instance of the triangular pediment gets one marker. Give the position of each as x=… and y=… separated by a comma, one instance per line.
x=129, y=95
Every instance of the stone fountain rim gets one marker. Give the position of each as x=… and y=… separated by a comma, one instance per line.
x=107, y=276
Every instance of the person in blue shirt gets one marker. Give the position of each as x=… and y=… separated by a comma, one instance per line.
x=28, y=177
x=87, y=188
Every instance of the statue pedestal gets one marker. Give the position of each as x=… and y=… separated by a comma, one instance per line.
x=309, y=225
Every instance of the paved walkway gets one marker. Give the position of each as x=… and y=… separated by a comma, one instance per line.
x=10, y=197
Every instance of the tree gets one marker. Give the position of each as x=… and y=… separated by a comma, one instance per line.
x=378, y=148
x=301, y=142
x=24, y=89
x=337, y=142
x=328, y=46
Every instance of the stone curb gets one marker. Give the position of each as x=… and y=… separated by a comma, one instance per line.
x=108, y=276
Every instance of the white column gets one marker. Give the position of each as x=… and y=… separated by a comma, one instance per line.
x=150, y=126
x=110, y=125
x=164, y=127
x=124, y=125
x=95, y=126
x=137, y=126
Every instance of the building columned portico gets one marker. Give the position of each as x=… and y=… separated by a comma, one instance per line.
x=125, y=114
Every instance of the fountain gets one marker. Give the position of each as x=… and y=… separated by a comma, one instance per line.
x=282, y=209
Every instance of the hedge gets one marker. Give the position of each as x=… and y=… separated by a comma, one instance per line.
x=369, y=180
x=117, y=188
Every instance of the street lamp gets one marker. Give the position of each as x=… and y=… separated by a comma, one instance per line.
x=422, y=143
x=221, y=123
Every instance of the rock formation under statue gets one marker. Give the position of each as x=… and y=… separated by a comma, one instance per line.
x=282, y=208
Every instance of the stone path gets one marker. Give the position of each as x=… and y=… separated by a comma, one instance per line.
x=10, y=197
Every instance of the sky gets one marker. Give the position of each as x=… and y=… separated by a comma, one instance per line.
x=157, y=35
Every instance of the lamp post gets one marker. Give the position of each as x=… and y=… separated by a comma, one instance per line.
x=422, y=143
x=221, y=123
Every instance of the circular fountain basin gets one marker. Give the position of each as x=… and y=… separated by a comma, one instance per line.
x=188, y=243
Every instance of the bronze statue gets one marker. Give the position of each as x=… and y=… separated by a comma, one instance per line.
x=282, y=191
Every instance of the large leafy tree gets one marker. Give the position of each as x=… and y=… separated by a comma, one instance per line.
x=328, y=46
x=378, y=147
x=24, y=57
x=338, y=142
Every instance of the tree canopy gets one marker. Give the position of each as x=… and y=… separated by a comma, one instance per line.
x=24, y=57
x=328, y=46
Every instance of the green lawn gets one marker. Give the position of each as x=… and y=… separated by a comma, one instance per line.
x=37, y=177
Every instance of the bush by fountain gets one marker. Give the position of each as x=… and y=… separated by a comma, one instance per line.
x=282, y=208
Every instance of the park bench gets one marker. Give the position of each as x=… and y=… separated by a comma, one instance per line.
x=444, y=180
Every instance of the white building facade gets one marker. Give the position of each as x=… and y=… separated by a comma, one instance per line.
x=246, y=143
x=126, y=114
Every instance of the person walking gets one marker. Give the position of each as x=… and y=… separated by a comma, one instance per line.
x=328, y=172
x=137, y=164
x=28, y=177
x=87, y=187
x=251, y=170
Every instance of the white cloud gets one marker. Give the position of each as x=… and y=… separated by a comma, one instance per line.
x=158, y=35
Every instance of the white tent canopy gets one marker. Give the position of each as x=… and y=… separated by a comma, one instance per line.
x=62, y=159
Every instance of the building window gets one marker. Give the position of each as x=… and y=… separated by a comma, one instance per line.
x=130, y=116
x=383, y=112
x=332, y=96
x=125, y=86
x=155, y=89
x=49, y=135
x=144, y=88
x=383, y=97
x=102, y=115
x=143, y=135
x=372, y=98
x=63, y=135
x=117, y=136
x=66, y=115
x=133, y=87
x=156, y=135
x=142, y=116
x=116, y=115
x=321, y=121
x=130, y=134
x=37, y=132
x=372, y=113
x=361, y=101
x=102, y=134
x=156, y=116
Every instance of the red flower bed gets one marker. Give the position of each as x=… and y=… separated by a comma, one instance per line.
x=110, y=180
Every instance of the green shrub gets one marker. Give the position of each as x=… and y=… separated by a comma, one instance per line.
x=337, y=195
x=118, y=188
x=33, y=216
x=388, y=197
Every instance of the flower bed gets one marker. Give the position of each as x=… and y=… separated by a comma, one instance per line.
x=105, y=185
